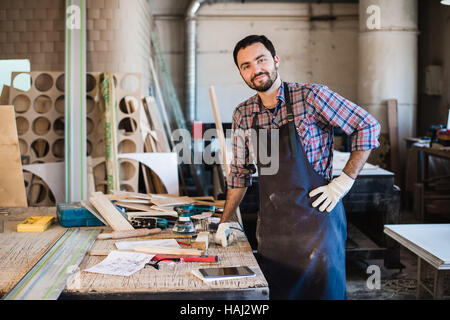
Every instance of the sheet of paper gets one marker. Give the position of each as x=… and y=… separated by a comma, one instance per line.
x=164, y=243
x=121, y=263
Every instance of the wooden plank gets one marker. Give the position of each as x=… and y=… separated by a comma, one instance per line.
x=109, y=98
x=209, y=198
x=161, y=100
x=134, y=206
x=217, y=203
x=136, y=201
x=118, y=195
x=90, y=176
x=223, y=145
x=161, y=250
x=127, y=234
x=166, y=200
x=12, y=188
x=148, y=147
x=109, y=212
x=4, y=97
x=147, y=182
x=393, y=138
x=219, y=129
x=152, y=213
x=154, y=119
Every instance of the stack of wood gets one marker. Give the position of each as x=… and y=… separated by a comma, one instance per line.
x=141, y=204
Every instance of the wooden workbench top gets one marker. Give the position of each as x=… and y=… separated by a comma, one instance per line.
x=171, y=276
x=19, y=251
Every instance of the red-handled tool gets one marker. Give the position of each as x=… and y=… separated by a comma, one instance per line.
x=187, y=258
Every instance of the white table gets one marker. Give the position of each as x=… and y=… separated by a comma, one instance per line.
x=431, y=243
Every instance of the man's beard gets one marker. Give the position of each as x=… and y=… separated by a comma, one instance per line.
x=266, y=85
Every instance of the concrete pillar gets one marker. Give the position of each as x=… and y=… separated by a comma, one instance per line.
x=388, y=58
x=118, y=37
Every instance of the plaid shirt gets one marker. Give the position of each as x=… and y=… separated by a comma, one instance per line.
x=316, y=110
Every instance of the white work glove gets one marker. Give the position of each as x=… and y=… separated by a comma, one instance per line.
x=332, y=193
x=222, y=234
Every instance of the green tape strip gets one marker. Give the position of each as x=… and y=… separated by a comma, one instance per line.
x=82, y=99
x=67, y=110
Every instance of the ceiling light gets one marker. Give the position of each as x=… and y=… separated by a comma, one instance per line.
x=446, y=2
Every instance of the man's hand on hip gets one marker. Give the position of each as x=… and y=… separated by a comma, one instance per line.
x=332, y=193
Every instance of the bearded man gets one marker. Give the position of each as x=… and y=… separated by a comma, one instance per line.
x=301, y=228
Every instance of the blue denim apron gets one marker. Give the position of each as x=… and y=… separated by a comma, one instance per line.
x=301, y=250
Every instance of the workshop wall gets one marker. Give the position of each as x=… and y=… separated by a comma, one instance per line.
x=117, y=40
x=118, y=37
x=33, y=30
x=434, y=49
x=322, y=51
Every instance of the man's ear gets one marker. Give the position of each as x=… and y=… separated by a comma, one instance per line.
x=276, y=59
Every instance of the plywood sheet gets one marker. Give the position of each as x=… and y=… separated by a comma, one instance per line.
x=109, y=212
x=163, y=164
x=52, y=174
x=429, y=241
x=12, y=188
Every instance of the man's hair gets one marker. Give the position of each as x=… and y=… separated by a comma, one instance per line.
x=249, y=40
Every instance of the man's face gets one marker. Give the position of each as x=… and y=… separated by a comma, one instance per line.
x=257, y=66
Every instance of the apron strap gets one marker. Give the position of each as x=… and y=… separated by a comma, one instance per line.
x=291, y=122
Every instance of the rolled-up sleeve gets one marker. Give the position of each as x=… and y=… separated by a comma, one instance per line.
x=241, y=169
x=356, y=122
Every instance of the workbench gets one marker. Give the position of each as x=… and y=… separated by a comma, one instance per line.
x=431, y=244
x=20, y=251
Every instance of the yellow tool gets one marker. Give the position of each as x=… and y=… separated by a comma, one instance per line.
x=35, y=224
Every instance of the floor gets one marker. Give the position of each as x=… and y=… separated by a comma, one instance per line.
x=395, y=284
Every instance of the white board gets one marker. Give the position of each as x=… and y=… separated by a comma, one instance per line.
x=164, y=164
x=53, y=175
x=430, y=241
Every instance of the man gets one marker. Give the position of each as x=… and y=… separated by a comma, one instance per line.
x=301, y=229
